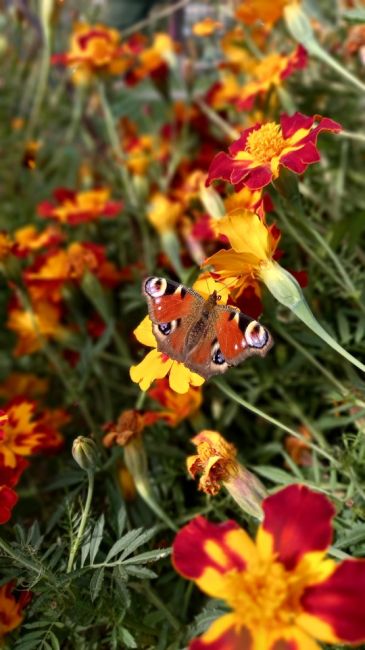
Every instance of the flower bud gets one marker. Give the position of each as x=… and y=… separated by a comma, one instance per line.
x=283, y=286
x=299, y=25
x=85, y=453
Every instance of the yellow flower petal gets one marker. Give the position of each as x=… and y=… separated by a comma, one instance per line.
x=144, y=333
x=181, y=377
x=151, y=367
x=247, y=234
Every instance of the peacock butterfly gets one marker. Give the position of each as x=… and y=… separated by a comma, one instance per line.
x=208, y=338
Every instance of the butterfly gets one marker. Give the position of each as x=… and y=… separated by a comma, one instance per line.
x=206, y=337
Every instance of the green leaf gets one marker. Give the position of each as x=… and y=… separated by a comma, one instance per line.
x=140, y=572
x=127, y=638
x=96, y=538
x=122, y=543
x=149, y=556
x=96, y=583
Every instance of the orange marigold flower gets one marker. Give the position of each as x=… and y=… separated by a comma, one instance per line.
x=74, y=208
x=281, y=591
x=216, y=461
x=206, y=27
x=29, y=239
x=26, y=432
x=157, y=365
x=34, y=327
x=23, y=383
x=254, y=159
x=266, y=11
x=253, y=245
x=163, y=213
x=299, y=450
x=270, y=71
x=8, y=499
x=176, y=408
x=10, y=609
x=6, y=245
x=94, y=49
x=154, y=61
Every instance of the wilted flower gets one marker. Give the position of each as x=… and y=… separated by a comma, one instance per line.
x=281, y=590
x=216, y=461
x=157, y=365
x=255, y=158
x=299, y=450
x=74, y=208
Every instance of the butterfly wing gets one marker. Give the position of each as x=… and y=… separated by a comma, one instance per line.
x=173, y=309
x=240, y=336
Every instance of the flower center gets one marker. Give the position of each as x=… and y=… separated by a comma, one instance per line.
x=266, y=143
x=266, y=594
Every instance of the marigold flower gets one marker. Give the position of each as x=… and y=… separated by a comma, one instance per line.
x=23, y=383
x=157, y=365
x=94, y=49
x=282, y=591
x=299, y=450
x=10, y=476
x=163, y=213
x=8, y=499
x=154, y=61
x=26, y=432
x=206, y=27
x=270, y=72
x=253, y=245
x=35, y=327
x=6, y=245
x=10, y=609
x=176, y=408
x=216, y=461
x=74, y=208
x=29, y=239
x=254, y=159
x=130, y=424
x=266, y=11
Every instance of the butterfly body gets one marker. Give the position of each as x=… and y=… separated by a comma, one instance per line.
x=208, y=338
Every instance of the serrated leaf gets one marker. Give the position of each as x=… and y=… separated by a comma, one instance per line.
x=142, y=539
x=149, y=556
x=96, y=583
x=36, y=624
x=123, y=543
x=140, y=572
x=53, y=641
x=96, y=537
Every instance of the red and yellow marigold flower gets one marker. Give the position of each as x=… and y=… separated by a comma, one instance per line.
x=28, y=239
x=216, y=461
x=270, y=72
x=175, y=407
x=8, y=499
x=255, y=158
x=94, y=49
x=154, y=61
x=282, y=592
x=35, y=326
x=26, y=432
x=157, y=365
x=23, y=383
x=74, y=208
x=10, y=609
x=163, y=213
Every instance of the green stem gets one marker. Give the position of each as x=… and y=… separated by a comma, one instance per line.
x=316, y=50
x=41, y=87
x=145, y=492
x=239, y=400
x=75, y=545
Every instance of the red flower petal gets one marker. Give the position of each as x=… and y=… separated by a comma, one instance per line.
x=290, y=124
x=339, y=600
x=8, y=499
x=298, y=161
x=231, y=638
x=258, y=178
x=220, y=167
x=190, y=556
x=240, y=144
x=299, y=521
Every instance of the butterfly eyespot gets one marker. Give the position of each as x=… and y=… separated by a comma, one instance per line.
x=217, y=356
x=167, y=328
x=155, y=287
x=256, y=335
